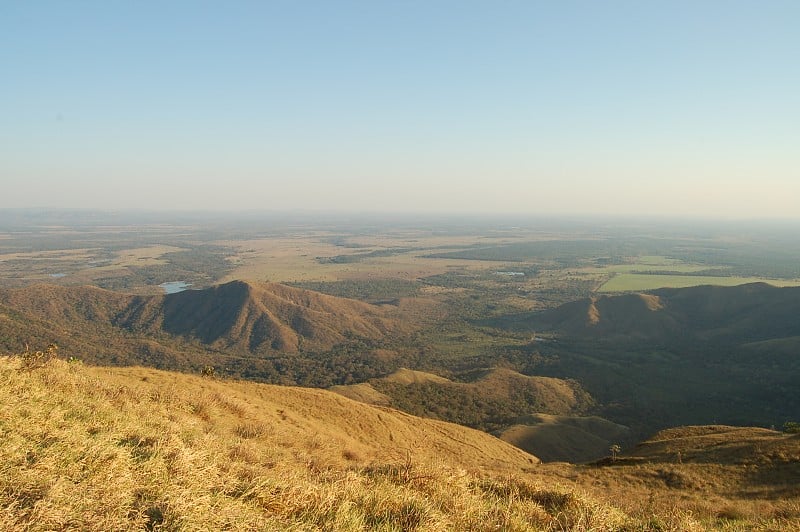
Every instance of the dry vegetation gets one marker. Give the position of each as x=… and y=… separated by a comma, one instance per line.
x=303, y=257
x=726, y=478
x=492, y=401
x=121, y=449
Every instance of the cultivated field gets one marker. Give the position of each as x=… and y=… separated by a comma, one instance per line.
x=635, y=282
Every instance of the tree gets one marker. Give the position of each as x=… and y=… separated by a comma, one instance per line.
x=615, y=450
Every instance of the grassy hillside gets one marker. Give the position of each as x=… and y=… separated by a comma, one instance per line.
x=729, y=478
x=236, y=316
x=135, y=448
x=565, y=438
x=493, y=400
x=749, y=312
x=262, y=331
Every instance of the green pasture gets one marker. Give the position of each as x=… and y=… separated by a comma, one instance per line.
x=628, y=282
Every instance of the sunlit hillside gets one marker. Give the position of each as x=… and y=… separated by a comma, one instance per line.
x=95, y=448
x=133, y=448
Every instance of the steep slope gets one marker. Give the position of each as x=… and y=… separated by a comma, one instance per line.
x=141, y=449
x=257, y=317
x=236, y=316
x=135, y=448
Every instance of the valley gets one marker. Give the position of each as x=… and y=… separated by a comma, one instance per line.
x=556, y=339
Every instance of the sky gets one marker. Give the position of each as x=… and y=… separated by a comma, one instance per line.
x=672, y=108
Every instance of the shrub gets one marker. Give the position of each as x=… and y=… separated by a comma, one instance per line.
x=37, y=359
x=791, y=427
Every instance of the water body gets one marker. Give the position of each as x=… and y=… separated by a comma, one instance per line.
x=58, y=275
x=173, y=287
x=510, y=274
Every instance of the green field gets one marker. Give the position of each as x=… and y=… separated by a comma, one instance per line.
x=626, y=282
x=656, y=263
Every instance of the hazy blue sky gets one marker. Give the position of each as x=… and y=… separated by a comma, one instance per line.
x=628, y=107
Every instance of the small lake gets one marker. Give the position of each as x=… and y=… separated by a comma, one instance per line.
x=58, y=275
x=173, y=287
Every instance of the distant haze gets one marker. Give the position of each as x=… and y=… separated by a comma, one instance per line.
x=678, y=108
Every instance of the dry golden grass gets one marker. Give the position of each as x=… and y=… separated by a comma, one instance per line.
x=80, y=262
x=725, y=478
x=145, y=256
x=65, y=255
x=133, y=448
x=105, y=449
x=565, y=438
x=289, y=259
x=362, y=392
x=409, y=376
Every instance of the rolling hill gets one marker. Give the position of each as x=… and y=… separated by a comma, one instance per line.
x=573, y=439
x=751, y=312
x=256, y=318
x=493, y=400
x=683, y=356
x=136, y=448
x=239, y=316
x=264, y=331
x=537, y=414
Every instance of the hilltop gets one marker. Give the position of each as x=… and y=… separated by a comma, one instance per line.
x=265, y=331
x=728, y=478
x=681, y=356
x=490, y=401
x=133, y=448
x=750, y=312
x=138, y=448
x=238, y=316
x=542, y=415
x=257, y=317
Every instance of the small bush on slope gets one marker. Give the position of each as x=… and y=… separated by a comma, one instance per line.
x=83, y=452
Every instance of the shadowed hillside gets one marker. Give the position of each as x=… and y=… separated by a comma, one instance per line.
x=263, y=331
x=257, y=317
x=682, y=356
x=235, y=316
x=747, y=312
